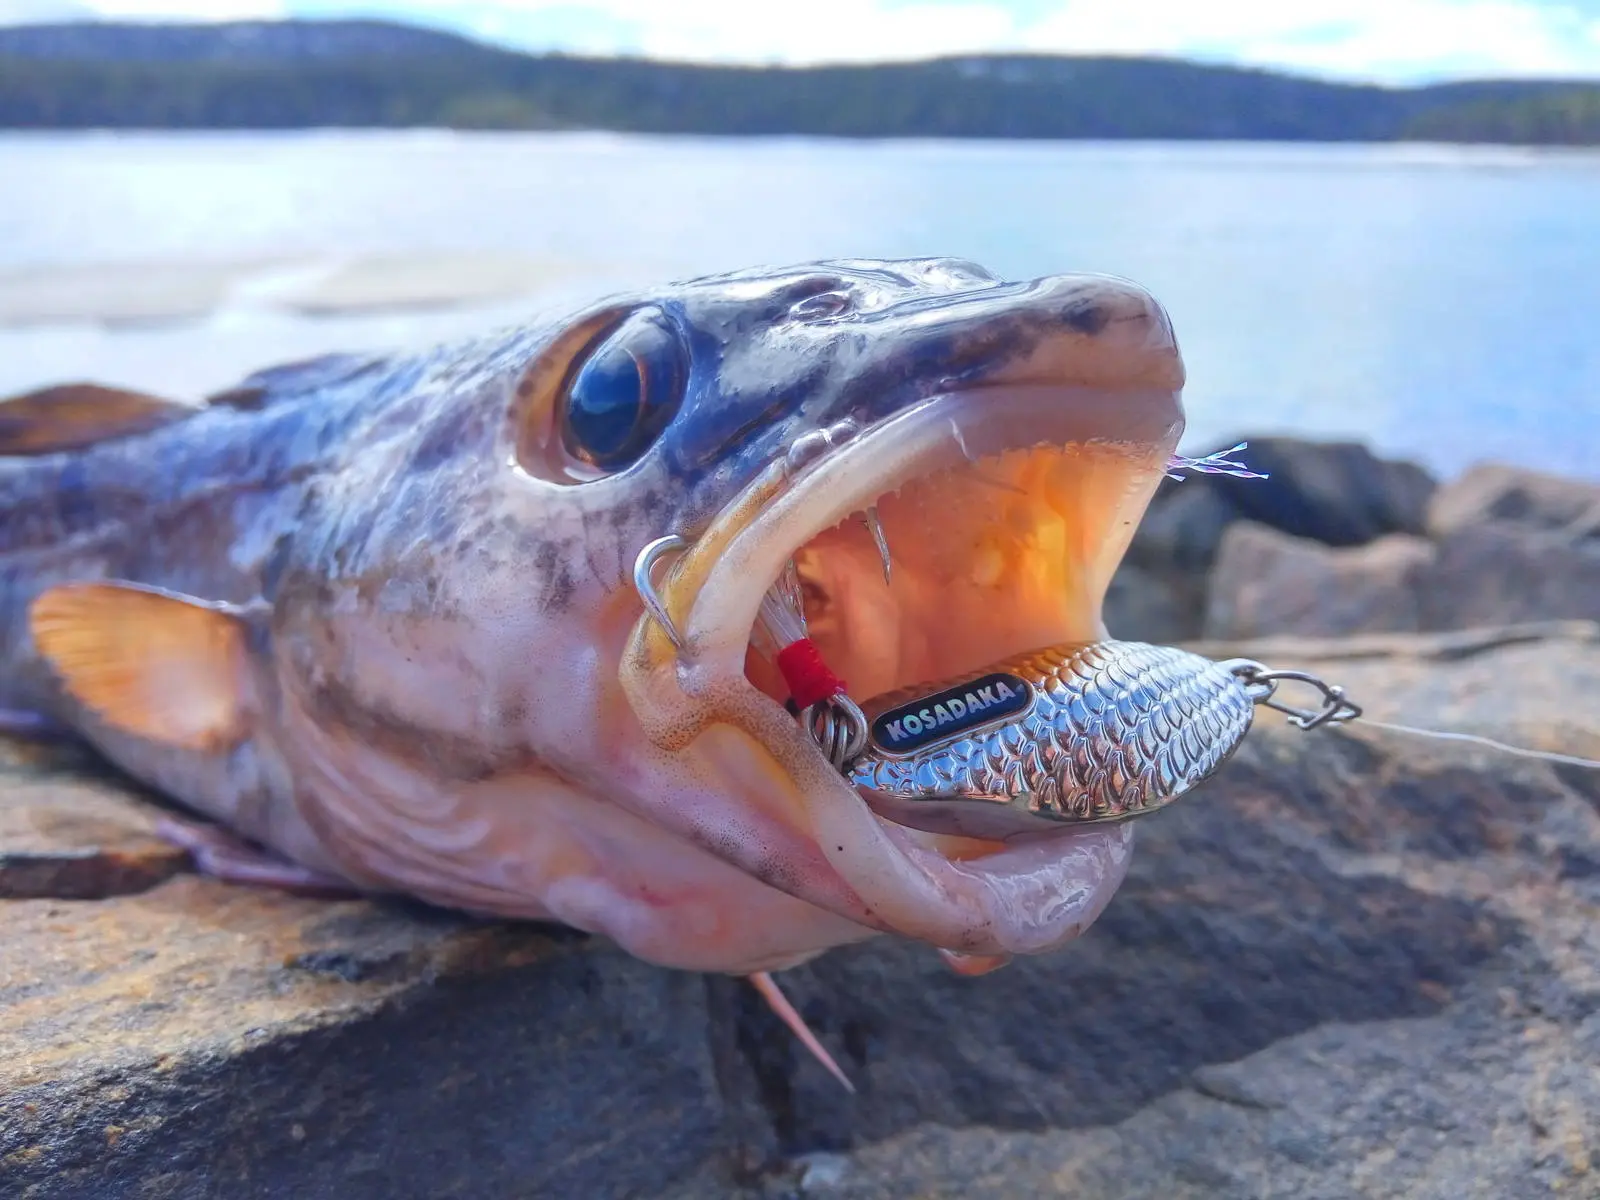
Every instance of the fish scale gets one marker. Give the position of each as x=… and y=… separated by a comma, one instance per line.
x=1113, y=730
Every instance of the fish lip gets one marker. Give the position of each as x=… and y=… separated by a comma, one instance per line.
x=1025, y=898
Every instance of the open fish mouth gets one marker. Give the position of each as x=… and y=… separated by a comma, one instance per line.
x=973, y=552
x=968, y=528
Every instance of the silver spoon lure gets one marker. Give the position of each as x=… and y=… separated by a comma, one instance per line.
x=1067, y=735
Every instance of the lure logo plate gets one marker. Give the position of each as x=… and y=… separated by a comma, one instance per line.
x=952, y=713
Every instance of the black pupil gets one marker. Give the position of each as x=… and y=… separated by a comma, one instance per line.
x=625, y=394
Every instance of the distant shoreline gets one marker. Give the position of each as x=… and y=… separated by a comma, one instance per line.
x=1450, y=152
x=151, y=295
x=291, y=75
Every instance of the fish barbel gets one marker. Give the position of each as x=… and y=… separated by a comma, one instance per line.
x=377, y=613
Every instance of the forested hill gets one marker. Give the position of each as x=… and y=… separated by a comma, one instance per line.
x=300, y=74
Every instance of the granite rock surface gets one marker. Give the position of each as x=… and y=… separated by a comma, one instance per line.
x=1517, y=496
x=1358, y=963
x=1339, y=540
x=1324, y=493
x=1266, y=583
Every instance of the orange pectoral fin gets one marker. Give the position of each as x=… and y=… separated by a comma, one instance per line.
x=164, y=667
x=75, y=415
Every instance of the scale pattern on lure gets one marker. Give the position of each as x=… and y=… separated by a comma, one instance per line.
x=1111, y=730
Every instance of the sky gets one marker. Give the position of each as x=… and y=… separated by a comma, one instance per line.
x=1396, y=41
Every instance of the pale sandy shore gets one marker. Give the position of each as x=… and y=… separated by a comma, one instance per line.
x=136, y=293
x=185, y=329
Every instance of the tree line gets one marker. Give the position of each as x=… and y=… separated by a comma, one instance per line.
x=449, y=82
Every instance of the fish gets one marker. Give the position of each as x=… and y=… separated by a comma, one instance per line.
x=375, y=614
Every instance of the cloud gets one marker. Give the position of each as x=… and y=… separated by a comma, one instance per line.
x=818, y=30
x=30, y=12
x=27, y=12
x=717, y=30
x=1394, y=40
x=1391, y=39
x=1379, y=39
x=190, y=10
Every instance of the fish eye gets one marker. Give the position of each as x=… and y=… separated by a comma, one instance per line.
x=625, y=393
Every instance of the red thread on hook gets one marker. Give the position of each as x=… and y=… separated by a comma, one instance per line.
x=808, y=677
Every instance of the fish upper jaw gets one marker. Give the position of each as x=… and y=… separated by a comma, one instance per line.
x=1050, y=460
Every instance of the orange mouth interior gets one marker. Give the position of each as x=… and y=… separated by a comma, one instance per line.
x=999, y=556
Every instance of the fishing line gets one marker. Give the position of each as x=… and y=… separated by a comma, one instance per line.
x=1549, y=756
x=1336, y=709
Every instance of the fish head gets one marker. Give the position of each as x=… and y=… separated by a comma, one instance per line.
x=1007, y=436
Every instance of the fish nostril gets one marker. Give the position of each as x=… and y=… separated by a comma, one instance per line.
x=958, y=272
x=812, y=446
x=822, y=306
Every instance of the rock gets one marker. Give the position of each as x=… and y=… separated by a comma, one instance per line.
x=1332, y=1113
x=1183, y=529
x=1338, y=493
x=1495, y=492
x=1333, y=493
x=1499, y=573
x=1265, y=582
x=1356, y=963
x=1158, y=594
x=1142, y=605
x=73, y=835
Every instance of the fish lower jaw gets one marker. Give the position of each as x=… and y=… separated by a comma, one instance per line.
x=1024, y=898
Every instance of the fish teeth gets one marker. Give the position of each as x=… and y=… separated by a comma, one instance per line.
x=789, y=588
x=783, y=612
x=961, y=441
x=880, y=539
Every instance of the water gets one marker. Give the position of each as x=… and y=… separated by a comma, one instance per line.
x=1439, y=303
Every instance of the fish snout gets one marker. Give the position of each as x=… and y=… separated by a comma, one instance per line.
x=1063, y=330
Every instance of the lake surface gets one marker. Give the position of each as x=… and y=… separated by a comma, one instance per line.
x=1440, y=303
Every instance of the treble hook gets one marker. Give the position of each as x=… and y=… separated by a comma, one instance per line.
x=644, y=582
x=1261, y=682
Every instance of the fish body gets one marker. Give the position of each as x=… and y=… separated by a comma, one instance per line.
x=377, y=613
